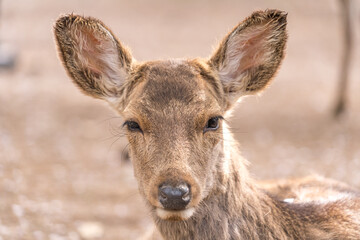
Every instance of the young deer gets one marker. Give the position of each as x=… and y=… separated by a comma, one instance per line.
x=188, y=170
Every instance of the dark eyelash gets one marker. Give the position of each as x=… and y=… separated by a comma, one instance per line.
x=132, y=126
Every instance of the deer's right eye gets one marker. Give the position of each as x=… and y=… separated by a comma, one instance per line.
x=132, y=126
x=212, y=124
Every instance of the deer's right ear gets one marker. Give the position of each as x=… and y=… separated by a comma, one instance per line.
x=92, y=56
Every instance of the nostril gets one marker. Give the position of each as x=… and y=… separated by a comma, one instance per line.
x=185, y=192
x=186, y=196
x=162, y=196
x=174, y=198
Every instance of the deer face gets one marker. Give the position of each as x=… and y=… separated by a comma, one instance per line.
x=174, y=126
x=173, y=110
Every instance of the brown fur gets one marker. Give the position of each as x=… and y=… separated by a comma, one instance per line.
x=172, y=101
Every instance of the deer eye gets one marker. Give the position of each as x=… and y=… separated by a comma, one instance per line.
x=212, y=124
x=132, y=126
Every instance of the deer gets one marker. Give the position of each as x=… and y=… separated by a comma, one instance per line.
x=188, y=167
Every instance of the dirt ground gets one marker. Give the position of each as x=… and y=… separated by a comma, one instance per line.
x=61, y=167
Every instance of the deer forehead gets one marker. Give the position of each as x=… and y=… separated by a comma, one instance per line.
x=172, y=89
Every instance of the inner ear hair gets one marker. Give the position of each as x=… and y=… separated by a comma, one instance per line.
x=251, y=53
x=92, y=55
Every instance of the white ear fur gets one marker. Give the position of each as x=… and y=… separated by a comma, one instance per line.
x=249, y=55
x=101, y=55
x=98, y=53
x=243, y=53
x=93, y=57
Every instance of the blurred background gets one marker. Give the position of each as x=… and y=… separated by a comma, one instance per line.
x=63, y=167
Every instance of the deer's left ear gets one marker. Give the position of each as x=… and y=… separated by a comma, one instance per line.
x=250, y=54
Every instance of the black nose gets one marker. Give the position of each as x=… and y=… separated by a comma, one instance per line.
x=174, y=198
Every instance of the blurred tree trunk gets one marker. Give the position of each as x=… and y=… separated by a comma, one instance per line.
x=341, y=100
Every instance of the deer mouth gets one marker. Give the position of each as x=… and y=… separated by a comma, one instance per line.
x=175, y=215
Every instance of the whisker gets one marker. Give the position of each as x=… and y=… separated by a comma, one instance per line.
x=113, y=143
x=129, y=196
x=114, y=136
x=123, y=153
x=109, y=119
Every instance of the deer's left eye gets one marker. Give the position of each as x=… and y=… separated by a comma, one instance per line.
x=212, y=124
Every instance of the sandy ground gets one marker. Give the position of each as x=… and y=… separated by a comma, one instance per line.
x=61, y=165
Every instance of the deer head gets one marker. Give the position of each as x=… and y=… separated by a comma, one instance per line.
x=174, y=109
